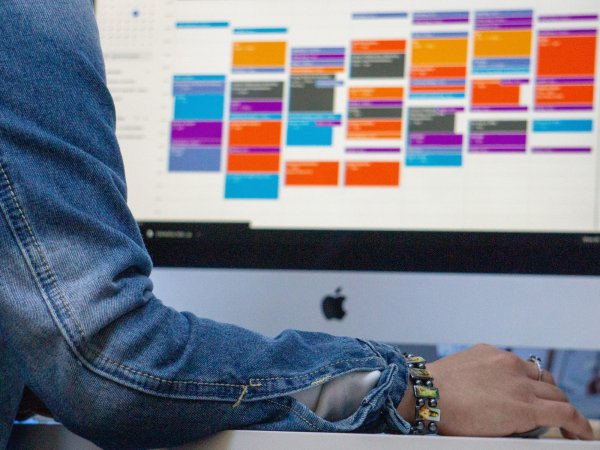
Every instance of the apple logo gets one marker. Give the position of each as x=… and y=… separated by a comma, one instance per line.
x=332, y=305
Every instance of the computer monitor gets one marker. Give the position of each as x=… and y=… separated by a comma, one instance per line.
x=433, y=167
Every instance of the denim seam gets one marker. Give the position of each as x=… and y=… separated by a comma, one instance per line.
x=53, y=290
x=46, y=270
x=296, y=413
x=316, y=371
x=371, y=347
x=52, y=278
x=162, y=380
x=202, y=383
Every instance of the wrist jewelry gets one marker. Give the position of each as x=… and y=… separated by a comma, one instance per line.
x=426, y=396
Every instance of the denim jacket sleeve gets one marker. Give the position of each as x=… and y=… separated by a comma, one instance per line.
x=79, y=324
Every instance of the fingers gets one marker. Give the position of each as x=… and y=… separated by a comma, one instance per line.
x=556, y=407
x=567, y=435
x=534, y=370
x=534, y=373
x=565, y=416
x=548, y=391
x=548, y=378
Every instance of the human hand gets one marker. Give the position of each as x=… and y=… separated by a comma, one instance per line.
x=488, y=392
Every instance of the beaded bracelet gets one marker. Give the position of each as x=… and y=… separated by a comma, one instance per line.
x=426, y=396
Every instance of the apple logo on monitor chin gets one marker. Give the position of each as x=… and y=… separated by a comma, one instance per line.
x=332, y=305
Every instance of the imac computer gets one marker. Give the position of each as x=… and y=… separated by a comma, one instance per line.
x=412, y=172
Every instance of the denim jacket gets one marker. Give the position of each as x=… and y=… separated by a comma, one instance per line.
x=79, y=323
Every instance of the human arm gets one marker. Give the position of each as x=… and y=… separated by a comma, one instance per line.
x=78, y=319
x=77, y=308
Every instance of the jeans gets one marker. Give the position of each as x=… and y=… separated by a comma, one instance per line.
x=79, y=323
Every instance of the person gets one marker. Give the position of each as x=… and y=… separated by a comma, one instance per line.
x=81, y=328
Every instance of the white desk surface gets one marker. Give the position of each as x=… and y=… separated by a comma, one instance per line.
x=57, y=437
x=260, y=440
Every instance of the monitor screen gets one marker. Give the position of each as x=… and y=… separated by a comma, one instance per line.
x=426, y=162
x=360, y=135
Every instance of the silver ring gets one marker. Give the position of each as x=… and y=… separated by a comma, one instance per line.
x=538, y=363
